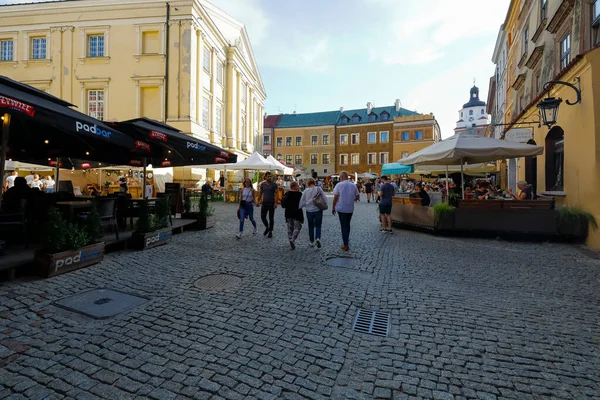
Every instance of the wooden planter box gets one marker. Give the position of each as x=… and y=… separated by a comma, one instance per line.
x=58, y=263
x=201, y=223
x=573, y=230
x=143, y=241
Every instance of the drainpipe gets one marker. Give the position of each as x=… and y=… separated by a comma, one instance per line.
x=167, y=38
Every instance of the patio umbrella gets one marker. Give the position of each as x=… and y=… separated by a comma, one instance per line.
x=396, y=169
x=461, y=149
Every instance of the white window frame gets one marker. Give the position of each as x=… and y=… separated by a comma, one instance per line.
x=374, y=155
x=317, y=158
x=141, y=82
x=220, y=72
x=345, y=135
x=95, y=84
x=387, y=156
x=12, y=49
x=296, y=157
x=87, y=103
x=28, y=37
x=268, y=141
x=12, y=36
x=381, y=137
x=219, y=119
x=139, y=31
x=207, y=59
x=324, y=141
x=205, y=114
x=290, y=141
x=328, y=159
x=344, y=155
x=95, y=31
x=291, y=157
x=352, y=155
x=277, y=139
x=416, y=136
x=374, y=136
x=353, y=136
x=296, y=141
x=40, y=40
x=565, y=57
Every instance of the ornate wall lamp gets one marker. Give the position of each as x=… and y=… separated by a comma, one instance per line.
x=549, y=106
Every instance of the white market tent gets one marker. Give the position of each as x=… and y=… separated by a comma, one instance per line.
x=470, y=149
x=286, y=170
x=255, y=162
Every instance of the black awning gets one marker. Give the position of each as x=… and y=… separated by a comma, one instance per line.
x=43, y=126
x=171, y=147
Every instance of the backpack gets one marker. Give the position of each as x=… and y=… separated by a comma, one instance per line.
x=319, y=200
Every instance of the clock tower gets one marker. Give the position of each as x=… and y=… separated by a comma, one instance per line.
x=473, y=118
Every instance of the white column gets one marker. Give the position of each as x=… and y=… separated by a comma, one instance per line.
x=238, y=110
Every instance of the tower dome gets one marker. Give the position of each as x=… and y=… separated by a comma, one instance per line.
x=474, y=99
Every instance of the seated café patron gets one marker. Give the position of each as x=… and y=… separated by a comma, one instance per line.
x=425, y=199
x=525, y=192
x=11, y=201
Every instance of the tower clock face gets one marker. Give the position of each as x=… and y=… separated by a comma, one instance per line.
x=471, y=119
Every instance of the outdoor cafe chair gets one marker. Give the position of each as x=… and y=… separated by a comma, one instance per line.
x=107, y=209
x=16, y=219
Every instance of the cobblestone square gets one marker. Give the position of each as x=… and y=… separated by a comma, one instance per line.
x=470, y=319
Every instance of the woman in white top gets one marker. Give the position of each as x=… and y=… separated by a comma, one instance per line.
x=37, y=183
x=246, y=207
x=49, y=184
x=314, y=215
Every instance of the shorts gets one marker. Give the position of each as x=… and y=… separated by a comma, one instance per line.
x=385, y=209
x=368, y=190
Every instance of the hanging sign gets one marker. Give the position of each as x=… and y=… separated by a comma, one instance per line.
x=519, y=135
x=17, y=105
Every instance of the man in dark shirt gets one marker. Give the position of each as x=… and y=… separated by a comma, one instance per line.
x=207, y=189
x=369, y=190
x=11, y=201
x=267, y=198
x=425, y=199
x=386, y=194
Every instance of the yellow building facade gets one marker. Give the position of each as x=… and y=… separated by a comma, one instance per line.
x=413, y=133
x=307, y=149
x=186, y=63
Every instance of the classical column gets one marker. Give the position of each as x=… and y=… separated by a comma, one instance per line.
x=238, y=110
x=213, y=102
x=250, y=115
x=229, y=113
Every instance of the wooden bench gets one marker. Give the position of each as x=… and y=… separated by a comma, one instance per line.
x=415, y=201
x=481, y=204
x=507, y=205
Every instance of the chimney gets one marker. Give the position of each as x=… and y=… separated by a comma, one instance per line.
x=294, y=113
x=397, y=104
x=369, y=107
x=341, y=109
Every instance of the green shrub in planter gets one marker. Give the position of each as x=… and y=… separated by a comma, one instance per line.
x=441, y=212
x=148, y=222
x=204, y=208
x=61, y=235
x=574, y=221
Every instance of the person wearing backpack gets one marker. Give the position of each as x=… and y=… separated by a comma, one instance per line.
x=315, y=201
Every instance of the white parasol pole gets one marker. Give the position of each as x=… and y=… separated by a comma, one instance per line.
x=5, y=133
x=144, y=180
x=447, y=186
x=462, y=179
x=57, y=175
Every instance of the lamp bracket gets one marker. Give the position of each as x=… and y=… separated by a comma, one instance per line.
x=577, y=89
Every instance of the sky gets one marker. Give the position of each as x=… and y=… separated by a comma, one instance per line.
x=320, y=55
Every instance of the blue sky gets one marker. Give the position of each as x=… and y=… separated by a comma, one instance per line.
x=319, y=55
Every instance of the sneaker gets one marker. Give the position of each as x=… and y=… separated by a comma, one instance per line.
x=382, y=230
x=254, y=231
x=368, y=201
x=389, y=231
x=345, y=248
x=312, y=244
x=266, y=232
x=270, y=235
x=319, y=243
x=292, y=244
x=239, y=235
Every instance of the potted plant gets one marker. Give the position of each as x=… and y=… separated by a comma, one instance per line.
x=574, y=223
x=199, y=209
x=67, y=246
x=443, y=216
x=152, y=229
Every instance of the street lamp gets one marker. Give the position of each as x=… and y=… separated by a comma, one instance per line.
x=549, y=106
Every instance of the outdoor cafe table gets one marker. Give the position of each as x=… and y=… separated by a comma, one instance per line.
x=73, y=206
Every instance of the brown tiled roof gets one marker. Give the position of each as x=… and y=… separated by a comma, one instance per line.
x=271, y=121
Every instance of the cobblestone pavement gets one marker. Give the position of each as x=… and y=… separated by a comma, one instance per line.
x=470, y=318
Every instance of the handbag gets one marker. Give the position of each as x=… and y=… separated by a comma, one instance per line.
x=319, y=200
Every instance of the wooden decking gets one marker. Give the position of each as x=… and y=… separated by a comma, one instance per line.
x=17, y=256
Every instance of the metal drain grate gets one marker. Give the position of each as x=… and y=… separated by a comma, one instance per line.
x=372, y=322
x=218, y=282
x=100, y=303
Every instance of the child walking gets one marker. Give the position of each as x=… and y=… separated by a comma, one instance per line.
x=293, y=213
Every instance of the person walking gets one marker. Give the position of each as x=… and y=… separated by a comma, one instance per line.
x=345, y=194
x=293, y=212
x=314, y=215
x=268, y=201
x=369, y=190
x=247, y=207
x=386, y=193
x=377, y=189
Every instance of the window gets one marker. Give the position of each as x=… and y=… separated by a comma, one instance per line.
x=355, y=159
x=150, y=42
x=95, y=104
x=206, y=59
x=371, y=158
x=543, y=10
x=355, y=138
x=418, y=135
x=314, y=159
x=244, y=93
x=482, y=111
x=384, y=137
x=596, y=23
x=288, y=159
x=372, y=137
x=279, y=142
x=372, y=117
x=384, y=116
x=325, y=159
x=205, y=113
x=383, y=158
x=244, y=130
x=298, y=140
x=344, y=139
x=565, y=50
x=298, y=159
x=218, y=124
x=343, y=159
x=344, y=120
x=325, y=140
x=355, y=119
x=220, y=73
x=96, y=46
x=405, y=136
x=267, y=140
x=470, y=112
x=38, y=48
x=288, y=141
x=6, y=50
x=461, y=114
x=314, y=140
x=525, y=40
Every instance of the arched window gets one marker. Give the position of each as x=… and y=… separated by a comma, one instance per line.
x=482, y=111
x=461, y=114
x=470, y=112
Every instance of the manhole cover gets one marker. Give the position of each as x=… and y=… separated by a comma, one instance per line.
x=100, y=303
x=218, y=282
x=342, y=262
x=372, y=322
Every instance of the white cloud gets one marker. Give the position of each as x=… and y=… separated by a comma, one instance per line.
x=250, y=13
x=414, y=56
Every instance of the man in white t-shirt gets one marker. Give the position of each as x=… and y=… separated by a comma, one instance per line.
x=345, y=194
x=10, y=180
x=29, y=178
